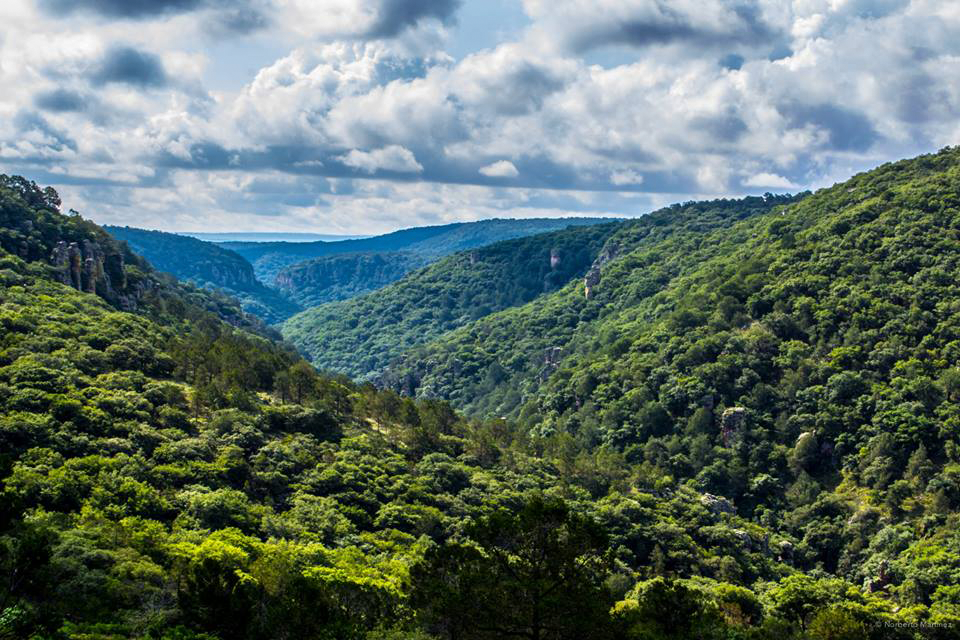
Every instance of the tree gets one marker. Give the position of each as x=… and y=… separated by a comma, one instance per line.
x=535, y=573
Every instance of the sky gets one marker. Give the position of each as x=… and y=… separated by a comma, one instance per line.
x=364, y=116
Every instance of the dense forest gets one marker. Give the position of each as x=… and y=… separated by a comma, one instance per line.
x=344, y=275
x=749, y=433
x=361, y=335
x=210, y=266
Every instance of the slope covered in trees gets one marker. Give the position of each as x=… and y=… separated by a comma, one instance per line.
x=172, y=476
x=380, y=326
x=268, y=258
x=801, y=363
x=344, y=275
x=207, y=265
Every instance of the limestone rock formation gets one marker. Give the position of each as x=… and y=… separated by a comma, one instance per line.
x=592, y=279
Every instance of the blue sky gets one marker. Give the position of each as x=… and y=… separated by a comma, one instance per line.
x=363, y=116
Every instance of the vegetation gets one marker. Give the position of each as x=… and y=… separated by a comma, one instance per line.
x=360, y=336
x=268, y=258
x=344, y=275
x=171, y=472
x=209, y=266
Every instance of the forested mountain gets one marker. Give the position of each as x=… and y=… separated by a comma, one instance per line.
x=766, y=448
x=360, y=336
x=207, y=265
x=344, y=275
x=268, y=258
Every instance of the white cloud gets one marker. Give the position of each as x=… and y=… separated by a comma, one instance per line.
x=625, y=177
x=391, y=158
x=500, y=169
x=770, y=180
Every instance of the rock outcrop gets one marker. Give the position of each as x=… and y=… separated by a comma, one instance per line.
x=732, y=422
x=86, y=267
x=717, y=504
x=90, y=267
x=592, y=279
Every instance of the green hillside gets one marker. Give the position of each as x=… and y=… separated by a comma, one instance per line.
x=802, y=363
x=360, y=336
x=170, y=471
x=208, y=265
x=344, y=275
x=268, y=258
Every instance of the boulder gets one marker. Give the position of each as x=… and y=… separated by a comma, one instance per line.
x=717, y=504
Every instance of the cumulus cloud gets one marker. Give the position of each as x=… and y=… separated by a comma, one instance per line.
x=392, y=158
x=770, y=180
x=500, y=169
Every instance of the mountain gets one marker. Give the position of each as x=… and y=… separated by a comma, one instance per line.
x=207, y=265
x=458, y=289
x=171, y=471
x=800, y=362
x=268, y=258
x=344, y=275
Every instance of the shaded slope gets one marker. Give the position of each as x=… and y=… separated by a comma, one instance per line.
x=208, y=265
x=361, y=336
x=344, y=275
x=432, y=242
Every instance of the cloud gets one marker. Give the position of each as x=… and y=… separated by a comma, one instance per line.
x=350, y=105
x=500, y=169
x=581, y=25
x=36, y=130
x=393, y=16
x=130, y=66
x=770, y=180
x=846, y=129
x=626, y=177
x=392, y=158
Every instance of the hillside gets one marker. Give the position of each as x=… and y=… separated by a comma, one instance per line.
x=168, y=475
x=458, y=289
x=801, y=363
x=268, y=258
x=207, y=265
x=344, y=275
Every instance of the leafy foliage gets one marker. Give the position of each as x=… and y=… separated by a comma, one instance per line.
x=441, y=297
x=208, y=265
x=167, y=474
x=344, y=275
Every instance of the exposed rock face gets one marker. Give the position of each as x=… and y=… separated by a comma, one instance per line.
x=732, y=422
x=785, y=550
x=551, y=360
x=717, y=504
x=880, y=582
x=86, y=267
x=592, y=279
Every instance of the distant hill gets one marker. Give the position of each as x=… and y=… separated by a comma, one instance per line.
x=344, y=275
x=207, y=265
x=268, y=258
x=279, y=236
x=360, y=336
